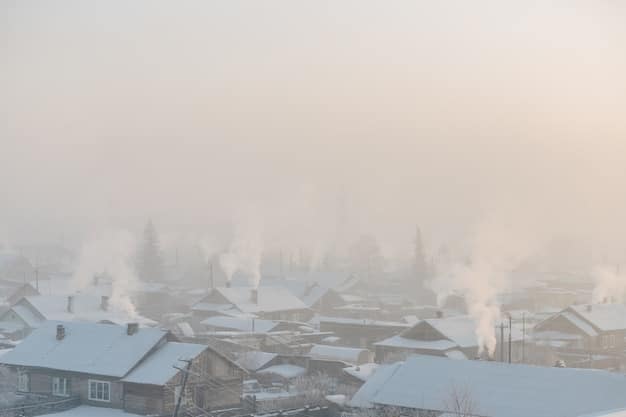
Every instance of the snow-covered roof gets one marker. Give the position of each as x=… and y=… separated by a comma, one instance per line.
x=361, y=372
x=185, y=329
x=339, y=353
x=555, y=335
x=313, y=294
x=331, y=339
x=363, y=397
x=307, y=291
x=455, y=354
x=269, y=299
x=398, y=341
x=363, y=322
x=85, y=308
x=285, y=370
x=158, y=368
x=255, y=360
x=580, y=323
x=91, y=348
x=498, y=389
x=206, y=306
x=610, y=413
x=28, y=315
x=459, y=329
x=240, y=324
x=606, y=317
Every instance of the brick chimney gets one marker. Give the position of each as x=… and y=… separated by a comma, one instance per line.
x=70, y=303
x=104, y=303
x=132, y=328
x=60, y=332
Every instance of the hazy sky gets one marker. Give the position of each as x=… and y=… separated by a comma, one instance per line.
x=322, y=118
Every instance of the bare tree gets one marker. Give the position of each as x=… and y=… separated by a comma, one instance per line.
x=149, y=256
x=460, y=402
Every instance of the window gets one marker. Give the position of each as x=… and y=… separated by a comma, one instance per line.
x=612, y=340
x=60, y=386
x=23, y=381
x=99, y=390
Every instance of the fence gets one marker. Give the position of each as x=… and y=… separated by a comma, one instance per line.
x=35, y=408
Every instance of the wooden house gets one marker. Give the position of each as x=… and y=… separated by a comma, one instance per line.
x=269, y=303
x=453, y=337
x=139, y=370
x=585, y=335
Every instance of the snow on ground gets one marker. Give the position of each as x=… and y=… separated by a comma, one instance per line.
x=87, y=411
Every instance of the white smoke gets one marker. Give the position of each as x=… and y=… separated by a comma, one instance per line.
x=245, y=251
x=479, y=284
x=497, y=248
x=109, y=254
x=610, y=285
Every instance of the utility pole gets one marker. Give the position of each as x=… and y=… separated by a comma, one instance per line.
x=211, y=281
x=184, y=385
x=523, y=335
x=510, y=336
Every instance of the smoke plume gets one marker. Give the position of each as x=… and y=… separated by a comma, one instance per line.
x=111, y=254
x=245, y=251
x=610, y=285
x=496, y=249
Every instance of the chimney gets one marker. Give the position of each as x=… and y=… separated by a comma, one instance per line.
x=104, y=303
x=589, y=308
x=254, y=295
x=439, y=314
x=96, y=278
x=132, y=328
x=70, y=303
x=60, y=332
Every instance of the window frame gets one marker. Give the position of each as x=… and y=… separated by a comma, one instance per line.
x=23, y=375
x=60, y=381
x=91, y=396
